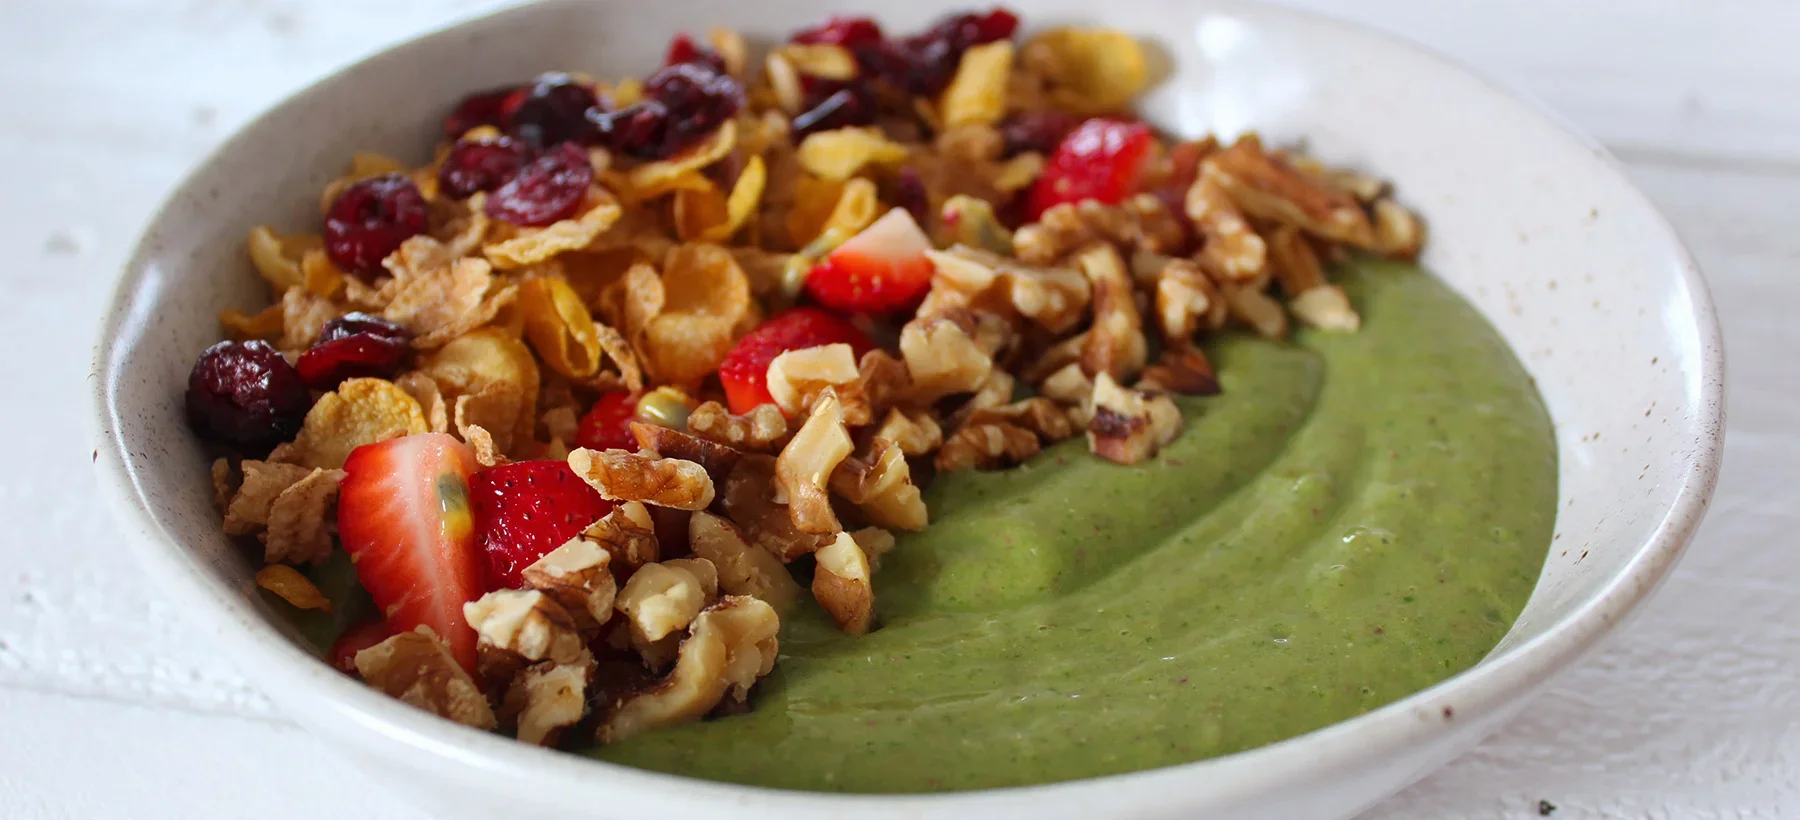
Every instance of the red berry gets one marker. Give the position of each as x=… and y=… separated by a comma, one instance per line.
x=1039, y=131
x=699, y=100
x=479, y=165
x=403, y=516
x=551, y=110
x=909, y=193
x=481, y=108
x=548, y=189
x=636, y=129
x=835, y=105
x=849, y=32
x=526, y=509
x=1099, y=160
x=683, y=49
x=246, y=394
x=355, y=345
x=880, y=270
x=607, y=425
x=370, y=219
x=745, y=371
x=358, y=637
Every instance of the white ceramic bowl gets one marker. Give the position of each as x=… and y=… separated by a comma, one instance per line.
x=1534, y=224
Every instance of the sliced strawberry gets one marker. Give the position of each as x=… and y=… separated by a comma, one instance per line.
x=403, y=515
x=607, y=425
x=1099, y=160
x=358, y=637
x=880, y=270
x=528, y=508
x=745, y=371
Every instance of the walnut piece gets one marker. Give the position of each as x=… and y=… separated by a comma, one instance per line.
x=806, y=463
x=628, y=535
x=1232, y=250
x=547, y=698
x=1398, y=233
x=622, y=476
x=730, y=645
x=1326, y=308
x=1265, y=187
x=1185, y=371
x=762, y=430
x=661, y=599
x=875, y=542
x=717, y=459
x=1187, y=302
x=986, y=446
x=1038, y=415
x=1115, y=344
x=1250, y=304
x=795, y=377
x=416, y=668
x=1141, y=222
x=1130, y=425
x=529, y=624
x=743, y=568
x=577, y=575
x=1069, y=386
x=916, y=432
x=942, y=357
x=750, y=503
x=880, y=484
x=881, y=380
x=842, y=586
x=1053, y=297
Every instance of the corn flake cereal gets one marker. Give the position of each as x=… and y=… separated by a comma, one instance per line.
x=977, y=95
x=843, y=153
x=532, y=245
x=277, y=257
x=300, y=522
x=1093, y=70
x=358, y=412
x=559, y=326
x=289, y=585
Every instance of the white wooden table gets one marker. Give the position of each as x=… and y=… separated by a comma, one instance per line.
x=110, y=708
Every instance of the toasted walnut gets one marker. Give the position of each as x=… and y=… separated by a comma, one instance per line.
x=806, y=464
x=661, y=599
x=841, y=585
x=1398, y=232
x=750, y=503
x=995, y=390
x=716, y=458
x=1326, y=308
x=1265, y=187
x=761, y=430
x=879, y=481
x=743, y=568
x=916, y=432
x=1232, y=250
x=1366, y=189
x=529, y=624
x=881, y=380
x=986, y=446
x=1038, y=415
x=1068, y=386
x=1053, y=297
x=548, y=698
x=1187, y=302
x=1055, y=358
x=1248, y=303
x=875, y=542
x=577, y=575
x=1292, y=261
x=795, y=377
x=1141, y=222
x=628, y=535
x=416, y=668
x=1130, y=425
x=622, y=476
x=1186, y=371
x=731, y=644
x=1115, y=344
x=942, y=357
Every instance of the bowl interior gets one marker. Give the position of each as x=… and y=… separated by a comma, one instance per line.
x=1535, y=227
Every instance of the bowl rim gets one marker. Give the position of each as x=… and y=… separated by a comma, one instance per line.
x=295, y=674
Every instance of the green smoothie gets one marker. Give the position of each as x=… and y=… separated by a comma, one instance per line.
x=1355, y=518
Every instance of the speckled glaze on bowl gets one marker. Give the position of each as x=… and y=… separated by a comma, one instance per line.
x=1532, y=223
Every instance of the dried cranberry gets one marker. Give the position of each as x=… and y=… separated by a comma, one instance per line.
x=636, y=129
x=698, y=99
x=548, y=189
x=1039, y=131
x=355, y=345
x=924, y=64
x=978, y=29
x=849, y=32
x=370, y=219
x=479, y=165
x=683, y=49
x=246, y=394
x=909, y=193
x=480, y=108
x=841, y=105
x=553, y=109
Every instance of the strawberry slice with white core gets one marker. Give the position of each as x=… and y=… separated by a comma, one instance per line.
x=404, y=518
x=881, y=270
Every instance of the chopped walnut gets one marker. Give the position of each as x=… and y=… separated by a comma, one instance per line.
x=743, y=568
x=995, y=390
x=416, y=668
x=879, y=482
x=1232, y=250
x=731, y=645
x=881, y=381
x=716, y=458
x=1141, y=222
x=796, y=376
x=1292, y=261
x=806, y=463
x=1248, y=303
x=762, y=430
x=916, y=432
x=1115, y=344
x=1186, y=371
x=1398, y=233
x=841, y=585
x=1069, y=385
x=628, y=535
x=1326, y=308
x=986, y=446
x=1265, y=187
x=662, y=599
x=529, y=624
x=1038, y=415
x=1187, y=302
x=750, y=503
x=1053, y=297
x=622, y=476
x=1130, y=425
x=578, y=576
x=942, y=357
x=875, y=542
x=1054, y=358
x=547, y=698
x=1366, y=189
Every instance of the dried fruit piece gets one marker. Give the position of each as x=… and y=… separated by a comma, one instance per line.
x=355, y=345
x=548, y=189
x=526, y=509
x=552, y=109
x=479, y=165
x=370, y=219
x=478, y=109
x=246, y=394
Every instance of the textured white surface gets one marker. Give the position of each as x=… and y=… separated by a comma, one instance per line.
x=113, y=711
